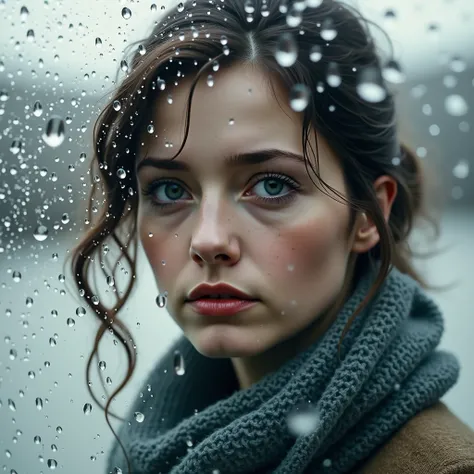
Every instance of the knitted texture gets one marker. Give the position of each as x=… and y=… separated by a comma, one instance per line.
x=201, y=423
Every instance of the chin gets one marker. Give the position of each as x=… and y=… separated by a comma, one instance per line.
x=226, y=342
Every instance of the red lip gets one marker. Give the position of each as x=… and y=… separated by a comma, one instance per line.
x=205, y=290
x=221, y=307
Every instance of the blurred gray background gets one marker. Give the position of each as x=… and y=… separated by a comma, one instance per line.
x=44, y=346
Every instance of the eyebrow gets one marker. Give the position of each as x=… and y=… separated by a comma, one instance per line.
x=240, y=159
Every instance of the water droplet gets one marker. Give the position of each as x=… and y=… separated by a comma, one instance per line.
x=11, y=405
x=231, y=121
x=169, y=99
x=110, y=281
x=150, y=128
x=124, y=65
x=315, y=54
x=16, y=277
x=303, y=420
x=139, y=417
x=283, y=7
x=180, y=7
x=434, y=130
x=16, y=145
x=4, y=96
x=450, y=81
x=161, y=84
x=121, y=173
x=286, y=50
x=162, y=300
x=249, y=6
x=70, y=322
x=210, y=80
x=461, y=170
x=392, y=72
x=456, y=105
x=87, y=409
x=299, y=97
x=54, y=134
x=314, y=3
x=52, y=464
x=328, y=31
x=291, y=267
x=39, y=403
x=294, y=17
x=117, y=105
x=224, y=40
x=126, y=13
x=80, y=311
x=327, y=463
x=40, y=233
x=370, y=85
x=98, y=42
x=390, y=13
x=178, y=362
x=37, y=109
x=333, y=77
x=24, y=14
x=457, y=64
x=102, y=365
x=30, y=35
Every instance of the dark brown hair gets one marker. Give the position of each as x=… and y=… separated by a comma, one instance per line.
x=186, y=43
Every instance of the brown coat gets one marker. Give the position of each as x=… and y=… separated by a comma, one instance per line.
x=433, y=442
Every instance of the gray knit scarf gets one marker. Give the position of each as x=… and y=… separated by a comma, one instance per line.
x=201, y=423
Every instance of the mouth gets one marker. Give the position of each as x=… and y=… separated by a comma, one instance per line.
x=221, y=305
x=220, y=297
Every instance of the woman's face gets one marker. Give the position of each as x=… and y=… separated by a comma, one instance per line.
x=262, y=226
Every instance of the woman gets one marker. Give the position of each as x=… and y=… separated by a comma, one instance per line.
x=253, y=152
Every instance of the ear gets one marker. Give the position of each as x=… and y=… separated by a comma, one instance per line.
x=366, y=235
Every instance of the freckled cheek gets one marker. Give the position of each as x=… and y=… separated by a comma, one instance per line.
x=302, y=250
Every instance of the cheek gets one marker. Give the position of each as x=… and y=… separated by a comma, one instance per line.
x=163, y=251
x=307, y=249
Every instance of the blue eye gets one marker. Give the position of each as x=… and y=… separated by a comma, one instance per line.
x=274, y=184
x=165, y=189
x=168, y=192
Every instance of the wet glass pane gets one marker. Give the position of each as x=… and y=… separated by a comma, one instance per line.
x=70, y=97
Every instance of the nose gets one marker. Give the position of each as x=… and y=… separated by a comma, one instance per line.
x=213, y=242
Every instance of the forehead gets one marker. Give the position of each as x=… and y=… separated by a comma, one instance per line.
x=240, y=105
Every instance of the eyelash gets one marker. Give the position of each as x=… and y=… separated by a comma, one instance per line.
x=151, y=187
